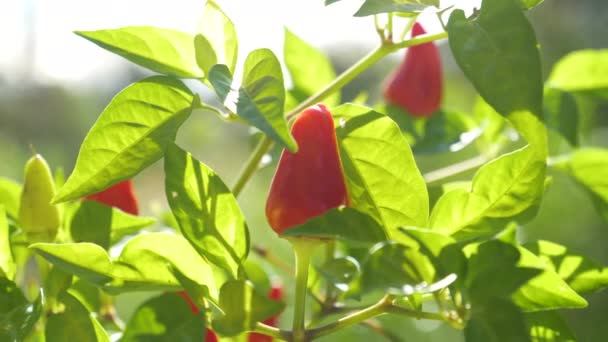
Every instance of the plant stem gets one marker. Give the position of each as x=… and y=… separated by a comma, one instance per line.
x=272, y=331
x=303, y=249
x=385, y=305
x=252, y=164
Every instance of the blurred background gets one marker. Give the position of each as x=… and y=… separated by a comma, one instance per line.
x=53, y=85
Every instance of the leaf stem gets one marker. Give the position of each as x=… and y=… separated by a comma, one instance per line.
x=272, y=331
x=303, y=249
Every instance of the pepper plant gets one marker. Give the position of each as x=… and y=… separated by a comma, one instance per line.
x=372, y=235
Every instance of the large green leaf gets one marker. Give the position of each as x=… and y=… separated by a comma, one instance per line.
x=207, y=212
x=583, y=70
x=131, y=134
x=162, y=50
x=17, y=315
x=498, y=53
x=104, y=225
x=527, y=4
x=582, y=274
x=588, y=167
x=218, y=30
x=382, y=178
x=7, y=263
x=261, y=96
x=310, y=69
x=346, y=224
x=10, y=194
x=548, y=326
x=74, y=323
x=371, y=7
x=496, y=320
x=243, y=307
x=507, y=188
x=166, y=317
x=147, y=262
x=547, y=291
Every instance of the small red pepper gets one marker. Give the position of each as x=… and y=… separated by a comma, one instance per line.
x=311, y=181
x=121, y=196
x=416, y=85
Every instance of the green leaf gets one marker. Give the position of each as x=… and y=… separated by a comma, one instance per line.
x=85, y=260
x=309, y=67
x=162, y=50
x=7, y=263
x=104, y=225
x=547, y=291
x=382, y=178
x=340, y=272
x=582, y=274
x=10, y=195
x=131, y=134
x=491, y=123
x=147, y=262
x=165, y=318
x=396, y=269
x=505, y=189
x=220, y=34
x=17, y=315
x=581, y=71
x=74, y=323
x=497, y=320
x=561, y=114
x=498, y=53
x=243, y=307
x=346, y=224
x=371, y=7
x=207, y=212
x=205, y=56
x=484, y=282
x=588, y=167
x=262, y=97
x=548, y=326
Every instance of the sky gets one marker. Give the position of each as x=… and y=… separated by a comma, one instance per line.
x=61, y=56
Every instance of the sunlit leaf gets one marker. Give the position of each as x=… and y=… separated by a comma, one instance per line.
x=7, y=263
x=10, y=194
x=370, y=7
x=582, y=274
x=131, y=134
x=162, y=50
x=218, y=30
x=382, y=178
x=579, y=71
x=207, y=212
x=548, y=326
x=508, y=188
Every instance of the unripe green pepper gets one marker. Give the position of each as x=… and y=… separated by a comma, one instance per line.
x=38, y=218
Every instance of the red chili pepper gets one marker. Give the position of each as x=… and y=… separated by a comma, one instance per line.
x=210, y=336
x=121, y=196
x=311, y=181
x=276, y=293
x=416, y=84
